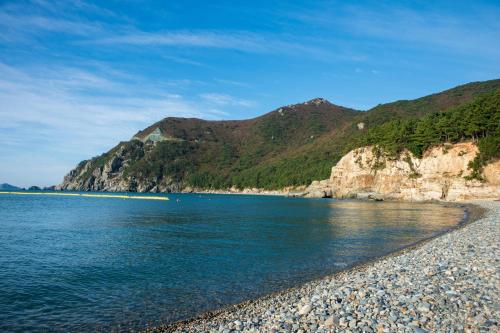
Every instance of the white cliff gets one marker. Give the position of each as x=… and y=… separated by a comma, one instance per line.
x=441, y=174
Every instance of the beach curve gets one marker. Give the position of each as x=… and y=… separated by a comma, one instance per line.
x=445, y=283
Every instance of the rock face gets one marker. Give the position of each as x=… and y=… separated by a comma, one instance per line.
x=319, y=189
x=439, y=175
x=109, y=173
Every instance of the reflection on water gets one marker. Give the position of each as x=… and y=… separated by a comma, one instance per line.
x=90, y=264
x=388, y=226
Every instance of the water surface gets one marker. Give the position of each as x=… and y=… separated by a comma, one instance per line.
x=87, y=264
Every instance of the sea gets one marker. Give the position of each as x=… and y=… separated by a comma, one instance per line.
x=116, y=264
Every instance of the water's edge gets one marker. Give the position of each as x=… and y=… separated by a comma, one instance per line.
x=472, y=213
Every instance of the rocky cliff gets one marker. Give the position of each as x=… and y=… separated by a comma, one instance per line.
x=110, y=172
x=441, y=174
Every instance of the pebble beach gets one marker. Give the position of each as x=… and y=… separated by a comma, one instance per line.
x=447, y=284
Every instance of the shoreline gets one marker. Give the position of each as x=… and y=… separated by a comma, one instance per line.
x=474, y=211
x=263, y=192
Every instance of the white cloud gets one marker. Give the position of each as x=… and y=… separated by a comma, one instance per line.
x=432, y=28
x=232, y=83
x=36, y=24
x=184, y=60
x=224, y=99
x=60, y=112
x=242, y=41
x=468, y=28
x=476, y=30
x=20, y=23
x=54, y=98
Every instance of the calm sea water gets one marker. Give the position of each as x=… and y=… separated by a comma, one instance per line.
x=87, y=264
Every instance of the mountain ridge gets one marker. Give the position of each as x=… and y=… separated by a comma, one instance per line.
x=289, y=146
x=308, y=106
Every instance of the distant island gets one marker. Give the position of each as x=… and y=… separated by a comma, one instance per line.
x=294, y=145
x=9, y=187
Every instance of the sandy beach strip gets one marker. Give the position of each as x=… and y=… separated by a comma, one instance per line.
x=446, y=284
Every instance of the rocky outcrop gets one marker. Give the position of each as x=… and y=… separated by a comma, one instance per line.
x=441, y=174
x=109, y=173
x=319, y=189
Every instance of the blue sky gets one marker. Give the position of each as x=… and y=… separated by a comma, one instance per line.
x=76, y=77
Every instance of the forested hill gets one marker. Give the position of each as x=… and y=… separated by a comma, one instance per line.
x=477, y=120
x=282, y=128
x=292, y=145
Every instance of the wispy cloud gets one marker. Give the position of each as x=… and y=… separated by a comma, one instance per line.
x=36, y=24
x=244, y=41
x=224, y=99
x=478, y=29
x=19, y=23
x=67, y=97
x=232, y=83
x=53, y=111
x=184, y=60
x=210, y=39
x=428, y=28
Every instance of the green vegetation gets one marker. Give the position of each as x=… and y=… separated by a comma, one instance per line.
x=478, y=120
x=409, y=161
x=489, y=148
x=379, y=155
x=297, y=144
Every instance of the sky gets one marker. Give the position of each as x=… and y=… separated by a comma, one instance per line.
x=77, y=77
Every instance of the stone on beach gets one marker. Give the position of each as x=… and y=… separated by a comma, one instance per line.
x=305, y=309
